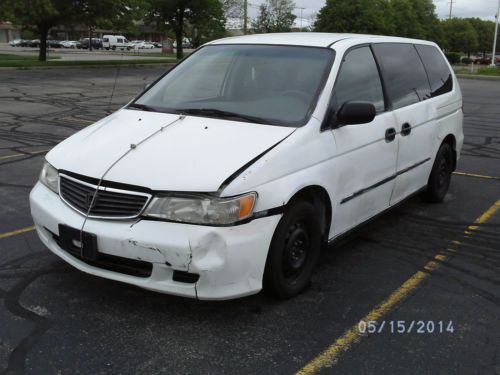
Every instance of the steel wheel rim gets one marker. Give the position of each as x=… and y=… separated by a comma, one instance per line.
x=296, y=251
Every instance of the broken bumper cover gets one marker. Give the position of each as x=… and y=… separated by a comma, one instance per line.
x=229, y=260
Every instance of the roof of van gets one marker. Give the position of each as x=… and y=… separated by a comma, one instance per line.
x=303, y=39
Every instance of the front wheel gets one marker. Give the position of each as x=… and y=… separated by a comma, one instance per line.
x=294, y=251
x=440, y=177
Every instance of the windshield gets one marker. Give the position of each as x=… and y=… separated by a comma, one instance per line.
x=276, y=85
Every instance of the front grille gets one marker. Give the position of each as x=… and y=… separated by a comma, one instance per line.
x=109, y=203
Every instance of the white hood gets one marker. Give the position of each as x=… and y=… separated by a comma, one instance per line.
x=193, y=154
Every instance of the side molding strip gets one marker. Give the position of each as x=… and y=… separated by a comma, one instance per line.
x=385, y=180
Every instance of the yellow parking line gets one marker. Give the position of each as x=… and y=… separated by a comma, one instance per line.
x=476, y=175
x=16, y=232
x=25, y=154
x=352, y=335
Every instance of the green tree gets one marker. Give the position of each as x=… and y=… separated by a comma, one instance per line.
x=207, y=24
x=39, y=16
x=174, y=15
x=275, y=16
x=111, y=14
x=354, y=16
x=460, y=36
x=232, y=8
x=405, y=18
x=484, y=30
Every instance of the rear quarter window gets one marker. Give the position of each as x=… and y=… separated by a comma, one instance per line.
x=403, y=73
x=437, y=69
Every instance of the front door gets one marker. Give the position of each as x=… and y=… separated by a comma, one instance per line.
x=365, y=164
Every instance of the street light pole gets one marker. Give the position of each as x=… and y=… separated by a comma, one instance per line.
x=493, y=58
x=245, y=17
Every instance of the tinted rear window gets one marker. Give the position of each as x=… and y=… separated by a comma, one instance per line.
x=404, y=75
x=437, y=70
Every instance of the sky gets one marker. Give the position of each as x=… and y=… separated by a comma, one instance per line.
x=485, y=9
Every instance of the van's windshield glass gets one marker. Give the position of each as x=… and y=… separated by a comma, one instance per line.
x=267, y=84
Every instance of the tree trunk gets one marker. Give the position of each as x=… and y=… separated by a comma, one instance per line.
x=43, y=31
x=178, y=39
x=179, y=33
x=90, y=38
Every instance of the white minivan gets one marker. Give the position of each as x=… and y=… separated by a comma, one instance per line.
x=232, y=170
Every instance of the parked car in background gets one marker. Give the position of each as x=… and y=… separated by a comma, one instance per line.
x=16, y=42
x=145, y=45
x=485, y=60
x=69, y=43
x=234, y=170
x=140, y=44
x=114, y=42
x=51, y=43
x=157, y=45
x=33, y=43
x=134, y=44
x=84, y=43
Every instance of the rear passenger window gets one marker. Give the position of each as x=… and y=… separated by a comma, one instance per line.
x=359, y=80
x=437, y=70
x=404, y=75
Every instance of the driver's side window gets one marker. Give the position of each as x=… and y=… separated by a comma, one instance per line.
x=358, y=80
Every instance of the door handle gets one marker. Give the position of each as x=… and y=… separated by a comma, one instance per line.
x=390, y=134
x=405, y=129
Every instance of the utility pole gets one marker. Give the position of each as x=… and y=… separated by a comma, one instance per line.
x=301, y=9
x=245, y=17
x=493, y=55
x=451, y=8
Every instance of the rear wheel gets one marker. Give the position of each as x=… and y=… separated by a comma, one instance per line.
x=294, y=251
x=439, y=180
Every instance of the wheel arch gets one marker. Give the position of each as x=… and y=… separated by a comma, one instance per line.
x=319, y=198
x=451, y=140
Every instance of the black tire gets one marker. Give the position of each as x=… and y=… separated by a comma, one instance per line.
x=294, y=251
x=440, y=177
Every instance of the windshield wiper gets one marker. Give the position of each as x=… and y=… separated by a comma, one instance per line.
x=209, y=112
x=142, y=107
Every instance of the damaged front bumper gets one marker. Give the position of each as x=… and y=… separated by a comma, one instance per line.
x=228, y=260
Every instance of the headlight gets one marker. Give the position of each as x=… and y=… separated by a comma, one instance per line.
x=49, y=177
x=202, y=209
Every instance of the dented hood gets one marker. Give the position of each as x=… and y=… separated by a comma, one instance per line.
x=192, y=154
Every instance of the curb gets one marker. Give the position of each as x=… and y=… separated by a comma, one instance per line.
x=96, y=66
x=479, y=77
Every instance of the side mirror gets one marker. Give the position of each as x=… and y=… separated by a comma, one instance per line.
x=354, y=113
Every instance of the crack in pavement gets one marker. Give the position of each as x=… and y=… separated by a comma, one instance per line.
x=12, y=303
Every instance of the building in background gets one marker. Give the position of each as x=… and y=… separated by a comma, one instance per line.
x=8, y=32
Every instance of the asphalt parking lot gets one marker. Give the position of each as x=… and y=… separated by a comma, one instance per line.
x=418, y=262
